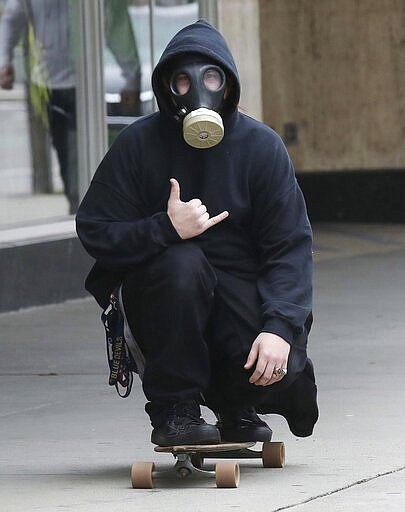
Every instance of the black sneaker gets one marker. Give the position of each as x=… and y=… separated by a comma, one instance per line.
x=242, y=425
x=181, y=423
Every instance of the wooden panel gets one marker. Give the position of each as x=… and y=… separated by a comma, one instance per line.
x=336, y=70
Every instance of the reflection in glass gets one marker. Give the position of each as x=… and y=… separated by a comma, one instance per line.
x=42, y=30
x=38, y=67
x=169, y=17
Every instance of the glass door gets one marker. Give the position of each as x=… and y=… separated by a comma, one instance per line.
x=38, y=143
x=136, y=33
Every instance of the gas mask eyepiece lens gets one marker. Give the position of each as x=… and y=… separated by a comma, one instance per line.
x=212, y=79
x=181, y=84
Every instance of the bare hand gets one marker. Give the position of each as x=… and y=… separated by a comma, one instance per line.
x=189, y=219
x=269, y=352
x=7, y=76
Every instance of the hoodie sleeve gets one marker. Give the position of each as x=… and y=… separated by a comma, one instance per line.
x=12, y=24
x=113, y=222
x=284, y=238
x=121, y=41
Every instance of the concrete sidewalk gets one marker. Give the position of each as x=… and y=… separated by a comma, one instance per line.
x=67, y=441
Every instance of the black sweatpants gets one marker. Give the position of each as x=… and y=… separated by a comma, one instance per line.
x=196, y=325
x=62, y=125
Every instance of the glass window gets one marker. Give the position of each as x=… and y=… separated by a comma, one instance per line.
x=38, y=147
x=39, y=63
x=129, y=25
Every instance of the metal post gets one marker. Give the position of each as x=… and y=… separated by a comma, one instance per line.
x=152, y=32
x=208, y=9
x=91, y=108
x=152, y=39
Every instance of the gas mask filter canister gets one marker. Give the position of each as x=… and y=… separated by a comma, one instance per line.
x=203, y=128
x=198, y=91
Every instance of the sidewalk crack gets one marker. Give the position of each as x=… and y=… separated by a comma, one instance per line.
x=340, y=489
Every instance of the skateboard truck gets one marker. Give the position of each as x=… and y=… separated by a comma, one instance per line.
x=190, y=459
x=184, y=466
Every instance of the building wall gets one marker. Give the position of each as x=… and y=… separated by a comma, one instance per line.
x=333, y=81
x=239, y=23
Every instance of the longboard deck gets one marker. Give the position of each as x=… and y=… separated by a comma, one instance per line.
x=201, y=448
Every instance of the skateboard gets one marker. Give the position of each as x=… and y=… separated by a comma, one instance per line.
x=190, y=459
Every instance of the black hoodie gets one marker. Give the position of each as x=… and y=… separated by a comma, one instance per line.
x=122, y=220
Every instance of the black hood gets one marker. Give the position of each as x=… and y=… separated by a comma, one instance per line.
x=204, y=40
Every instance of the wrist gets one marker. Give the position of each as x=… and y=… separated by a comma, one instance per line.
x=280, y=327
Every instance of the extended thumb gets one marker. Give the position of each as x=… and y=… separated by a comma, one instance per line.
x=175, y=190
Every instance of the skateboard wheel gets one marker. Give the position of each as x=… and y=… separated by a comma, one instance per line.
x=197, y=460
x=141, y=475
x=227, y=474
x=273, y=455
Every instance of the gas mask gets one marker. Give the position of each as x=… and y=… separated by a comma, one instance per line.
x=197, y=90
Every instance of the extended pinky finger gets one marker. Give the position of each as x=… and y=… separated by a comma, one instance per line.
x=218, y=218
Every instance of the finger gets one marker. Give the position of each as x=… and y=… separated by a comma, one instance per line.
x=276, y=376
x=175, y=190
x=256, y=375
x=202, y=209
x=251, y=357
x=195, y=202
x=259, y=370
x=216, y=220
x=267, y=377
x=204, y=217
x=272, y=380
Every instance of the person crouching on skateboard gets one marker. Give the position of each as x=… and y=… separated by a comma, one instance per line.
x=196, y=212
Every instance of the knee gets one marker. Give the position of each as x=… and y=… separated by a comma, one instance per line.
x=184, y=267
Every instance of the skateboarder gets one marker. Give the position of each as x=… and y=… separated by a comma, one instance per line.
x=196, y=212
